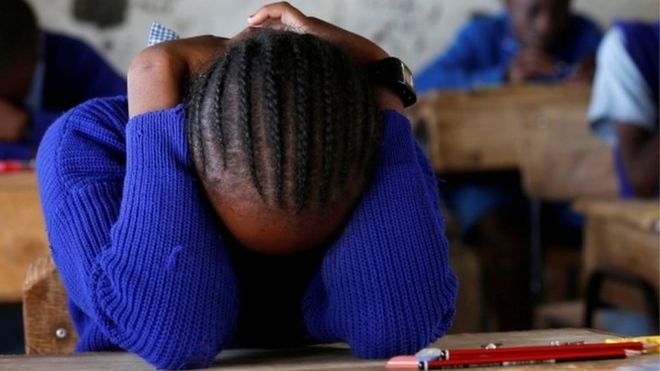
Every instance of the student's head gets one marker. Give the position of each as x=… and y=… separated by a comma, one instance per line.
x=283, y=132
x=539, y=23
x=19, y=41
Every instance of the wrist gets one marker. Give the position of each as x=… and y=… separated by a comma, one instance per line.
x=393, y=82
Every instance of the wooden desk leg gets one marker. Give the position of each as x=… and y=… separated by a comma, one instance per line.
x=594, y=292
x=536, y=263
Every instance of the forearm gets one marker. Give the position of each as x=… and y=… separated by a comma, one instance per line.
x=395, y=237
x=156, y=77
x=140, y=253
x=154, y=82
x=643, y=167
x=639, y=155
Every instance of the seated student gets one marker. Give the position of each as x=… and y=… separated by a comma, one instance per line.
x=532, y=40
x=624, y=104
x=281, y=200
x=42, y=74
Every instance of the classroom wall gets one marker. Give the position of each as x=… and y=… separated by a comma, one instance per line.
x=414, y=30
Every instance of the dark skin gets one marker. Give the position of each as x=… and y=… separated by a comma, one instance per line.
x=539, y=26
x=639, y=154
x=155, y=80
x=15, y=81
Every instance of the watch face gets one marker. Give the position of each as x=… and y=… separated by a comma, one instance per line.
x=407, y=76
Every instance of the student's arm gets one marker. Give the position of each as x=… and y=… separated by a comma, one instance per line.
x=639, y=155
x=623, y=113
x=21, y=130
x=132, y=235
x=459, y=67
x=172, y=62
x=385, y=285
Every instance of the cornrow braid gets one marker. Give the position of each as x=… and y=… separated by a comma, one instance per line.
x=245, y=108
x=274, y=117
x=329, y=125
x=287, y=114
x=194, y=107
x=349, y=139
x=304, y=144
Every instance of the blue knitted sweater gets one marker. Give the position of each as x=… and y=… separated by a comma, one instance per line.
x=147, y=269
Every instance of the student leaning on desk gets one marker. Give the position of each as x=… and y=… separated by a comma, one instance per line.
x=280, y=200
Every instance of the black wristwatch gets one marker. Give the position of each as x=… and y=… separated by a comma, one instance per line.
x=392, y=73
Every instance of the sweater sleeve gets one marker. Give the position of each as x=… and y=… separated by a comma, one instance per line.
x=385, y=286
x=132, y=235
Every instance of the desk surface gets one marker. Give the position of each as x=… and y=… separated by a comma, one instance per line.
x=22, y=231
x=639, y=213
x=332, y=356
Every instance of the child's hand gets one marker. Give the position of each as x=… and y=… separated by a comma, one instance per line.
x=284, y=16
x=156, y=76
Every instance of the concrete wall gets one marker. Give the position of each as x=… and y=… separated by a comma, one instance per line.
x=414, y=30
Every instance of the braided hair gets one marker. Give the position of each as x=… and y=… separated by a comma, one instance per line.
x=291, y=114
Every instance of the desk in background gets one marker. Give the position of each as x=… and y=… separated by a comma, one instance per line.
x=334, y=356
x=22, y=231
x=622, y=239
x=541, y=130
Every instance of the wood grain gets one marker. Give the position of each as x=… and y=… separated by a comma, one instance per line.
x=559, y=157
x=48, y=327
x=620, y=235
x=540, y=130
x=22, y=231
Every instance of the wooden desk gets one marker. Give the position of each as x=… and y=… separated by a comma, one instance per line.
x=622, y=235
x=22, y=231
x=333, y=356
x=540, y=130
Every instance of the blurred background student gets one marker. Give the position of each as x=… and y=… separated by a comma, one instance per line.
x=624, y=112
x=624, y=104
x=42, y=74
x=531, y=40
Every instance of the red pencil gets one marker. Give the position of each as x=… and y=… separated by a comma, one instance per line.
x=459, y=353
x=524, y=359
x=14, y=165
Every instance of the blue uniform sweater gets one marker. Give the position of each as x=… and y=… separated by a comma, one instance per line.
x=148, y=270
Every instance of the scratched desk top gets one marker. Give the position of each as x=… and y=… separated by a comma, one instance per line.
x=335, y=356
